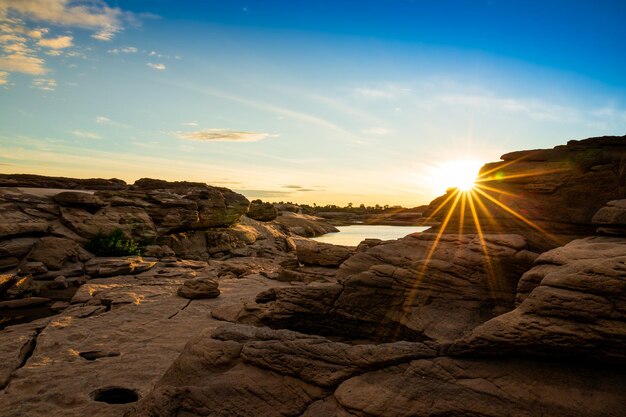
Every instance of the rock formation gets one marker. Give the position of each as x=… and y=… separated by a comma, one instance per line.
x=478, y=322
x=547, y=195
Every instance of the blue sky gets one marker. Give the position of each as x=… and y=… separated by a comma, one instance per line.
x=363, y=102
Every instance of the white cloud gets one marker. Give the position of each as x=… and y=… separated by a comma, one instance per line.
x=3, y=77
x=22, y=63
x=222, y=135
x=45, y=84
x=86, y=135
x=159, y=67
x=125, y=50
x=56, y=43
x=193, y=124
x=95, y=15
x=380, y=131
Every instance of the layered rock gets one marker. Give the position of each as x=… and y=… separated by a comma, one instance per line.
x=303, y=224
x=547, y=195
x=416, y=288
x=261, y=211
x=573, y=303
x=263, y=372
x=611, y=218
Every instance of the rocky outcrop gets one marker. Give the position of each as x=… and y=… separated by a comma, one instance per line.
x=247, y=371
x=419, y=287
x=549, y=196
x=261, y=211
x=40, y=181
x=573, y=303
x=303, y=224
x=310, y=252
x=198, y=288
x=43, y=232
x=611, y=218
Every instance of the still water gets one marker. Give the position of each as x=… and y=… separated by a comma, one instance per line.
x=355, y=234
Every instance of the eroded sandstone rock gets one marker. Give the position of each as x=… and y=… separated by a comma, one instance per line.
x=259, y=371
x=198, y=288
x=409, y=289
x=574, y=306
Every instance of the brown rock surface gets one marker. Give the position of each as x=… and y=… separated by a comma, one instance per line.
x=78, y=199
x=261, y=211
x=198, y=288
x=125, y=333
x=310, y=252
x=611, y=218
x=494, y=388
x=243, y=371
x=574, y=306
x=303, y=224
x=55, y=252
x=389, y=292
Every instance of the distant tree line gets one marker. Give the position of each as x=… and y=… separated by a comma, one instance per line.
x=349, y=208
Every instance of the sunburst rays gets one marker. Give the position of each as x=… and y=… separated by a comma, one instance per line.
x=477, y=207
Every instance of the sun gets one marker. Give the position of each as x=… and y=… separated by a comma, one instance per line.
x=460, y=174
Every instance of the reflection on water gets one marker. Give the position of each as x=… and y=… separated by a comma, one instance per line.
x=355, y=234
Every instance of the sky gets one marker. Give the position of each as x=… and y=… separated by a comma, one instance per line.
x=326, y=102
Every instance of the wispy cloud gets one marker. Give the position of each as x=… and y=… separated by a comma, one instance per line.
x=192, y=124
x=223, y=135
x=124, y=50
x=45, y=84
x=159, y=67
x=60, y=42
x=271, y=108
x=86, y=135
x=3, y=77
x=106, y=121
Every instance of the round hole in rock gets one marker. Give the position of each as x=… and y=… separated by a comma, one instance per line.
x=115, y=395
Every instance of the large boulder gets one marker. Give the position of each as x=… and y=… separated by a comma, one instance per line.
x=198, y=288
x=261, y=211
x=133, y=221
x=78, y=199
x=611, y=218
x=55, y=253
x=303, y=224
x=572, y=303
x=311, y=252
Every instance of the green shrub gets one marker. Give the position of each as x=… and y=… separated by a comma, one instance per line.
x=113, y=244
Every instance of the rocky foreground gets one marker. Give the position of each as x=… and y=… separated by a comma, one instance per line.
x=230, y=311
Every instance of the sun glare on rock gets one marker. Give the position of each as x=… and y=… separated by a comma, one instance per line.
x=460, y=174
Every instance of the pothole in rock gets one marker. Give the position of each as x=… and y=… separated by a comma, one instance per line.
x=115, y=395
x=92, y=355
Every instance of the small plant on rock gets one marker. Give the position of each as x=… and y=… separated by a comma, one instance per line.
x=113, y=244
